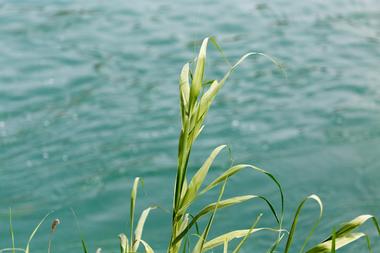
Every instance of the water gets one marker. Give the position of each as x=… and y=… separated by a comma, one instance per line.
x=88, y=93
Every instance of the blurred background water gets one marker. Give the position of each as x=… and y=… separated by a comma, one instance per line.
x=88, y=93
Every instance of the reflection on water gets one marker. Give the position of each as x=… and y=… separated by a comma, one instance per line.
x=88, y=95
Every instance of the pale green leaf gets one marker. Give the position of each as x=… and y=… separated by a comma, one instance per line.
x=196, y=84
x=355, y=223
x=132, y=206
x=140, y=227
x=220, y=240
x=124, y=245
x=198, y=178
x=340, y=242
x=237, y=168
x=147, y=247
x=211, y=207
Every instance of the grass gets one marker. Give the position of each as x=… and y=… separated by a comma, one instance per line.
x=196, y=97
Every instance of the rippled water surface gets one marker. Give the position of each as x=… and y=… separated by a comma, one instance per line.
x=88, y=93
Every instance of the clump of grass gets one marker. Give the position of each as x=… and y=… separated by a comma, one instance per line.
x=196, y=97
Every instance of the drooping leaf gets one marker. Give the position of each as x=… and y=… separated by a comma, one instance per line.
x=220, y=240
x=140, y=227
x=295, y=221
x=340, y=242
x=355, y=223
x=147, y=247
x=124, y=245
x=237, y=168
x=210, y=208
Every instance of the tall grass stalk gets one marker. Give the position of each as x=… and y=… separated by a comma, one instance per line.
x=196, y=96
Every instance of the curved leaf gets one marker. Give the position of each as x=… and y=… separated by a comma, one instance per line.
x=220, y=240
x=237, y=168
x=35, y=231
x=147, y=247
x=140, y=227
x=353, y=224
x=295, y=221
x=340, y=242
x=197, y=180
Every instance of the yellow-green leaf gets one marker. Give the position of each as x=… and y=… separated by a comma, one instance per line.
x=198, y=178
x=140, y=227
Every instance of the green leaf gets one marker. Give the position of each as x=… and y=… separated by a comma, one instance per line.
x=210, y=208
x=295, y=221
x=84, y=247
x=344, y=235
x=340, y=242
x=201, y=241
x=238, y=247
x=220, y=240
x=355, y=223
x=132, y=206
x=80, y=232
x=35, y=231
x=196, y=84
x=333, y=242
x=184, y=89
x=197, y=180
x=237, y=168
x=11, y=230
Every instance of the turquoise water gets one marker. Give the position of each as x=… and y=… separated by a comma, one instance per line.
x=88, y=93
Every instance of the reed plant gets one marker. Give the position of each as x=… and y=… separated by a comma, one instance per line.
x=196, y=96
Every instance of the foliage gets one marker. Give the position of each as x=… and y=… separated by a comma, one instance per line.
x=196, y=97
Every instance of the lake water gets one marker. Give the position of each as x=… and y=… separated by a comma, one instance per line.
x=89, y=100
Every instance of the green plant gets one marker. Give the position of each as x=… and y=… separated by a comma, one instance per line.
x=196, y=97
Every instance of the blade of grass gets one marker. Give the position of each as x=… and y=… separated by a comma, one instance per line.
x=83, y=243
x=355, y=223
x=11, y=229
x=132, y=207
x=124, y=245
x=326, y=247
x=238, y=247
x=196, y=84
x=222, y=204
x=295, y=221
x=197, y=180
x=147, y=247
x=276, y=243
x=35, y=231
x=11, y=249
x=236, y=234
x=201, y=241
x=237, y=168
x=140, y=227
x=333, y=242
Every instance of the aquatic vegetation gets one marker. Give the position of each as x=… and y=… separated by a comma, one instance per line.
x=196, y=98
